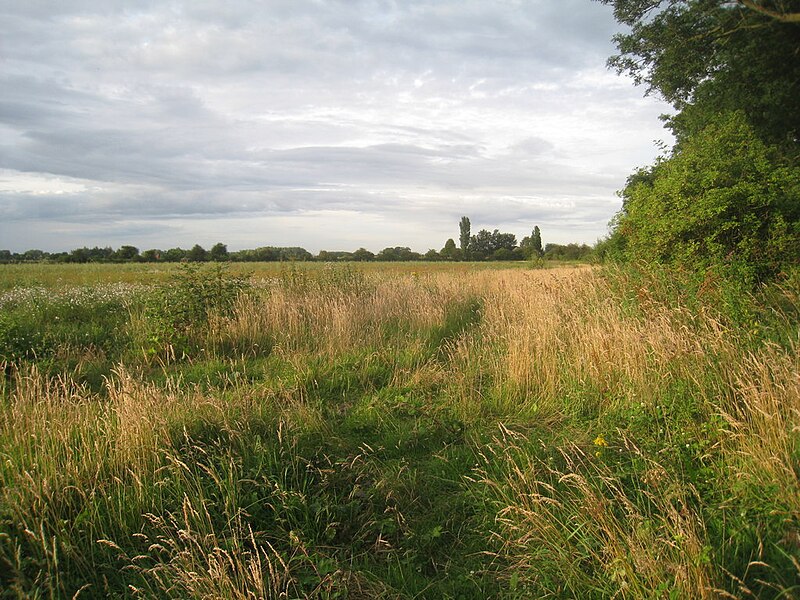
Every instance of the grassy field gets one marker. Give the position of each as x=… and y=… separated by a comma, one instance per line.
x=54, y=275
x=396, y=431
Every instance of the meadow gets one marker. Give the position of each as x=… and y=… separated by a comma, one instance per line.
x=396, y=431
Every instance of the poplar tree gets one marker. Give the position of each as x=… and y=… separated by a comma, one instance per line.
x=464, y=238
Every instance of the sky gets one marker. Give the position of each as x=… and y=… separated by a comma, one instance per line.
x=326, y=124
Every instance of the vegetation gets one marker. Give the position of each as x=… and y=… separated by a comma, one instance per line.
x=395, y=429
x=727, y=197
x=450, y=432
x=485, y=245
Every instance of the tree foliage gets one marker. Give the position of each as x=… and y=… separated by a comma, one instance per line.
x=197, y=254
x=450, y=252
x=485, y=244
x=712, y=56
x=464, y=237
x=723, y=200
x=531, y=246
x=362, y=254
x=218, y=252
x=727, y=195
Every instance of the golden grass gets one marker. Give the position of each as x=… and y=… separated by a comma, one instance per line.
x=550, y=344
x=578, y=527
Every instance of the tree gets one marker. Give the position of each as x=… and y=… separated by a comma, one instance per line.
x=33, y=255
x=507, y=241
x=781, y=14
x=294, y=253
x=728, y=194
x=724, y=200
x=432, y=255
x=567, y=252
x=712, y=56
x=464, y=237
x=218, y=252
x=480, y=245
x=503, y=254
x=78, y=255
x=536, y=240
x=261, y=254
x=485, y=243
x=362, y=255
x=197, y=254
x=450, y=252
x=531, y=246
x=126, y=253
x=151, y=255
x=398, y=253
x=174, y=255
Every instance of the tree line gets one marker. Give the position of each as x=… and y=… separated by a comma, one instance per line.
x=484, y=245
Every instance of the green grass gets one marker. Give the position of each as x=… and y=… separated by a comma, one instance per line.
x=354, y=432
x=53, y=276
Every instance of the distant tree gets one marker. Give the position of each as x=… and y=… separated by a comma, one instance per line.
x=531, y=246
x=464, y=237
x=174, y=254
x=432, y=255
x=261, y=254
x=5, y=256
x=33, y=255
x=567, y=252
x=197, y=254
x=449, y=252
x=485, y=243
x=294, y=253
x=265, y=254
x=398, y=253
x=507, y=241
x=78, y=255
x=536, y=242
x=151, y=255
x=126, y=253
x=387, y=254
x=503, y=254
x=362, y=255
x=334, y=256
x=480, y=245
x=218, y=252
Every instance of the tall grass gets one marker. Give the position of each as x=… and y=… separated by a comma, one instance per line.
x=346, y=433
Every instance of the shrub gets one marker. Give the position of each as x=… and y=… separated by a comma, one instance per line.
x=725, y=200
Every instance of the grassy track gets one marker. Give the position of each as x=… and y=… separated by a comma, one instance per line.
x=408, y=432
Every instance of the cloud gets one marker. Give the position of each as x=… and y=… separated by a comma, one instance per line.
x=369, y=116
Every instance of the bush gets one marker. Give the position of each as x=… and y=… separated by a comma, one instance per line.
x=725, y=200
x=177, y=312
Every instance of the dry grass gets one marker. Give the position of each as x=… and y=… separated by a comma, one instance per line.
x=566, y=530
x=554, y=350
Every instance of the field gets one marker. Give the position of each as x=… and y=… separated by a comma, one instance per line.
x=396, y=431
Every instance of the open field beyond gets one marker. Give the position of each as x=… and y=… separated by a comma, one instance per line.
x=374, y=431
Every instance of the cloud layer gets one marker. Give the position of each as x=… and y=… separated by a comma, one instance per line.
x=327, y=124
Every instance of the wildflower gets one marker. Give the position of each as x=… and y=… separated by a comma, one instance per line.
x=600, y=441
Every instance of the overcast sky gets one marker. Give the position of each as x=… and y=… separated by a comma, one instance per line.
x=327, y=124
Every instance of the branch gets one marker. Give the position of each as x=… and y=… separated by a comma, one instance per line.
x=783, y=17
